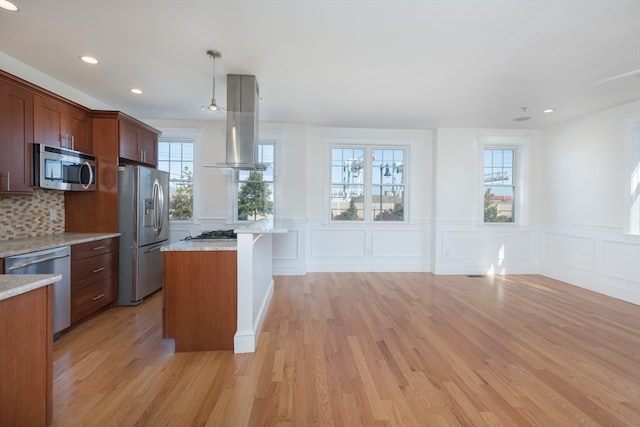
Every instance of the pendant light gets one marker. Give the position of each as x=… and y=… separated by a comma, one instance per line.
x=213, y=106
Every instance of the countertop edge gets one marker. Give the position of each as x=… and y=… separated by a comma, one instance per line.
x=12, y=285
x=32, y=244
x=191, y=245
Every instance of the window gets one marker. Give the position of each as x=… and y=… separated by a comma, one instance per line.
x=499, y=184
x=254, y=190
x=175, y=155
x=367, y=183
x=633, y=173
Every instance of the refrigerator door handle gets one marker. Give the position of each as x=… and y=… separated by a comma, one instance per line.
x=158, y=200
x=161, y=207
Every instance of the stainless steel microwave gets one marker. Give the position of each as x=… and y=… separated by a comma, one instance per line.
x=62, y=169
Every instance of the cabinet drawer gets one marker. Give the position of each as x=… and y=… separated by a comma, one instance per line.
x=89, y=249
x=92, y=298
x=91, y=270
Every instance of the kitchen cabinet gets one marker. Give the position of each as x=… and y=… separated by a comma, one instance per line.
x=200, y=299
x=26, y=359
x=97, y=211
x=60, y=124
x=16, y=135
x=138, y=143
x=94, y=277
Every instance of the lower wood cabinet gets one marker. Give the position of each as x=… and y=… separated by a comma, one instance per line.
x=94, y=277
x=200, y=299
x=26, y=359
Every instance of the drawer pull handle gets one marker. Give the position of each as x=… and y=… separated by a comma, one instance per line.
x=97, y=248
x=98, y=297
x=98, y=270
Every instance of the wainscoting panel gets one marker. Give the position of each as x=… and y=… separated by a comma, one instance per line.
x=367, y=247
x=570, y=251
x=397, y=243
x=469, y=248
x=285, y=246
x=338, y=243
x=463, y=245
x=600, y=259
x=621, y=260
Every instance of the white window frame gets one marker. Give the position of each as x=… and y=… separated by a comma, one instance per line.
x=520, y=146
x=632, y=173
x=368, y=146
x=265, y=139
x=195, y=135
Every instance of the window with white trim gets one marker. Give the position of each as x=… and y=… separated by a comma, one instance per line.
x=254, y=190
x=499, y=184
x=368, y=183
x=175, y=155
x=633, y=173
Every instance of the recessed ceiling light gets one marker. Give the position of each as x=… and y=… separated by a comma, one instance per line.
x=136, y=91
x=548, y=110
x=89, y=59
x=7, y=5
x=521, y=119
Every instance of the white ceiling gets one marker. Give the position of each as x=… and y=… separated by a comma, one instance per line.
x=353, y=63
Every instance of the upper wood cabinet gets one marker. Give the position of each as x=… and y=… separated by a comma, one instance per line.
x=138, y=143
x=60, y=124
x=16, y=135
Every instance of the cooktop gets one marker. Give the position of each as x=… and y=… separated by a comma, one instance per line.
x=214, y=235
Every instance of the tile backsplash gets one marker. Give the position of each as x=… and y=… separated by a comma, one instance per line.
x=29, y=216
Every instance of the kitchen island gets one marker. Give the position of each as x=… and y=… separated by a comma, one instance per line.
x=26, y=358
x=198, y=272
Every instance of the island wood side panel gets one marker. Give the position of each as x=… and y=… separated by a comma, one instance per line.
x=26, y=359
x=200, y=299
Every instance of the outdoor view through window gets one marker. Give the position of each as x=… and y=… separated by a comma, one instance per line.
x=254, y=195
x=499, y=187
x=367, y=184
x=176, y=157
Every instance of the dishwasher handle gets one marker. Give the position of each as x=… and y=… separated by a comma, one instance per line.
x=36, y=261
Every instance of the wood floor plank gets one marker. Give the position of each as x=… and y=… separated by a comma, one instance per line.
x=369, y=349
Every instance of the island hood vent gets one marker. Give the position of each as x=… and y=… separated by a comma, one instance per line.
x=242, y=124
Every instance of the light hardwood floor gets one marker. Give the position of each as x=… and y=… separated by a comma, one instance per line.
x=369, y=349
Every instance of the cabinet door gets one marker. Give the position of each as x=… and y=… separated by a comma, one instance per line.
x=80, y=130
x=129, y=141
x=16, y=134
x=49, y=117
x=150, y=148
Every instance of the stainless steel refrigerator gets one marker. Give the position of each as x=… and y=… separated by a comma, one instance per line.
x=143, y=208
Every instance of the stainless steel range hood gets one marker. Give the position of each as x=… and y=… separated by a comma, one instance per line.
x=242, y=124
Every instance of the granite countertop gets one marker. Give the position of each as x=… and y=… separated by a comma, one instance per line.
x=32, y=244
x=263, y=226
x=16, y=284
x=201, y=245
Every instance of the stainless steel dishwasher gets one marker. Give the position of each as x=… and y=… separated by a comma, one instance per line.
x=49, y=261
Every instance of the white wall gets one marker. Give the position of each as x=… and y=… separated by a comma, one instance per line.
x=584, y=237
x=462, y=243
x=359, y=246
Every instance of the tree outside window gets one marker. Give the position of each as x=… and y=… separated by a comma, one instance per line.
x=175, y=155
x=254, y=197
